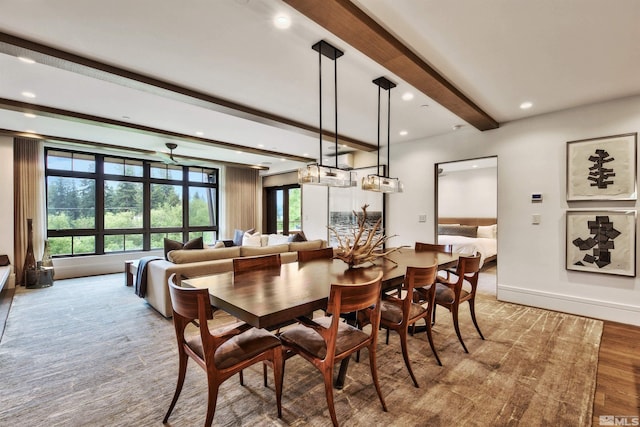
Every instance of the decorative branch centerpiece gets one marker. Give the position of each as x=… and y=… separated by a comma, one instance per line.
x=361, y=244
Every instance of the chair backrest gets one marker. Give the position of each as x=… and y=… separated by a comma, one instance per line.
x=323, y=253
x=186, y=301
x=447, y=249
x=347, y=298
x=467, y=270
x=417, y=277
x=246, y=264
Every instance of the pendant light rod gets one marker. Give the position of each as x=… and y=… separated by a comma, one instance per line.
x=326, y=49
x=386, y=84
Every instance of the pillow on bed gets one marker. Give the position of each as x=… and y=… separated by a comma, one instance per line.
x=487, y=231
x=458, y=230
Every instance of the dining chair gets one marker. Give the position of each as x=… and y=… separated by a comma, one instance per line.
x=451, y=294
x=262, y=262
x=221, y=352
x=309, y=255
x=326, y=340
x=399, y=313
x=432, y=247
x=255, y=263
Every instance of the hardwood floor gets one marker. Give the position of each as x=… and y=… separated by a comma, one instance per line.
x=618, y=380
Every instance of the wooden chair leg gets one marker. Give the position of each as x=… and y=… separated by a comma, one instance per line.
x=472, y=307
x=374, y=375
x=328, y=389
x=264, y=373
x=211, y=405
x=278, y=373
x=405, y=354
x=454, y=313
x=241, y=378
x=430, y=338
x=182, y=371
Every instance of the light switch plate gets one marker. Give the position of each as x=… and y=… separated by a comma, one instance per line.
x=535, y=219
x=422, y=218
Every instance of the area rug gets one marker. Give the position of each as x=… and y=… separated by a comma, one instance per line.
x=88, y=352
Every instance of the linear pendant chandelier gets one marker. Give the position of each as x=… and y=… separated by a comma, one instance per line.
x=377, y=182
x=317, y=173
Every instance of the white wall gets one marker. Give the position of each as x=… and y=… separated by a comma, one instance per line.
x=468, y=193
x=531, y=159
x=6, y=195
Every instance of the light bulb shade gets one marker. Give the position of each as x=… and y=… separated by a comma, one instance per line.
x=323, y=175
x=381, y=184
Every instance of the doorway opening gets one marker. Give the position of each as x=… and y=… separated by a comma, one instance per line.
x=467, y=212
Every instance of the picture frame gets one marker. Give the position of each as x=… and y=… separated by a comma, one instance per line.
x=601, y=241
x=602, y=168
x=344, y=201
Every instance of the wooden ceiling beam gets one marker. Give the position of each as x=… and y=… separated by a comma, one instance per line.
x=353, y=26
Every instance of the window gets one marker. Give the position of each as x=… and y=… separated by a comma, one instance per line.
x=284, y=209
x=100, y=204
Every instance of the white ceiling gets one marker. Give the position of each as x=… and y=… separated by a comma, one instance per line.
x=499, y=53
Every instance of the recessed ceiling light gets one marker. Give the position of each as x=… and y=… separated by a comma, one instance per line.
x=26, y=60
x=238, y=152
x=407, y=96
x=526, y=105
x=474, y=166
x=283, y=160
x=30, y=115
x=199, y=133
x=305, y=154
x=30, y=131
x=28, y=94
x=456, y=127
x=260, y=145
x=282, y=21
x=403, y=132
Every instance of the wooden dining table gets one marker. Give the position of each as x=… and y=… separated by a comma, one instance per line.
x=272, y=297
x=268, y=298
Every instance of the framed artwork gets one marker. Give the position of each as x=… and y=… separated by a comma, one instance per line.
x=602, y=241
x=602, y=168
x=344, y=201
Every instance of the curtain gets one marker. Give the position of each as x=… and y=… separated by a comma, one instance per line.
x=29, y=199
x=241, y=189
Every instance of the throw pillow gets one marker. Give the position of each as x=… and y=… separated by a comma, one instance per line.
x=458, y=230
x=251, y=239
x=171, y=245
x=218, y=245
x=298, y=237
x=237, y=237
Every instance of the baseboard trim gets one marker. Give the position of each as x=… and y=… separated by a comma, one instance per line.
x=589, y=307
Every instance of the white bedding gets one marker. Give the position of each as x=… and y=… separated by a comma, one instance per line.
x=470, y=245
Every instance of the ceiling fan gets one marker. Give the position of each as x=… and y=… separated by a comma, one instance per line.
x=171, y=159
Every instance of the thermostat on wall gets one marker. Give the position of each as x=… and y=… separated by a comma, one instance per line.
x=536, y=198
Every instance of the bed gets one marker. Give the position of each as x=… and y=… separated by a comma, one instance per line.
x=470, y=236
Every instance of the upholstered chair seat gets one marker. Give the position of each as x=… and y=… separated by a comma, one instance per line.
x=313, y=343
x=445, y=294
x=393, y=312
x=237, y=349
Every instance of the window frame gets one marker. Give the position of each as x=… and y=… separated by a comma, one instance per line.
x=99, y=176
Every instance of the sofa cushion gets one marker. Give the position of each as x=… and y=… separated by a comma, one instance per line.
x=251, y=239
x=182, y=256
x=277, y=239
x=265, y=250
x=305, y=246
x=172, y=245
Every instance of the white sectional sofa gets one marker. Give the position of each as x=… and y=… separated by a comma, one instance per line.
x=201, y=262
